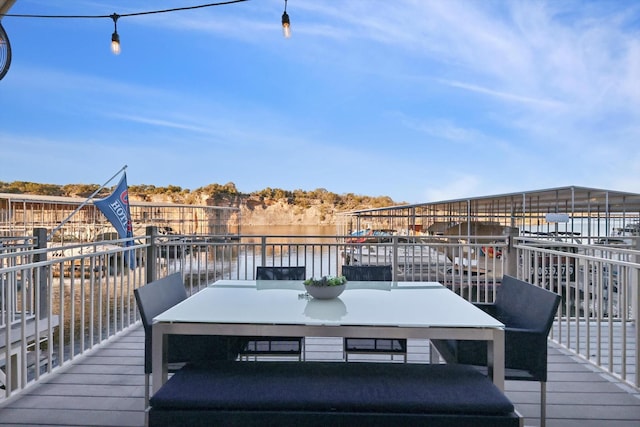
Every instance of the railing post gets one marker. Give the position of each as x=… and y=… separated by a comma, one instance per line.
x=152, y=253
x=511, y=265
x=394, y=261
x=40, y=234
x=635, y=309
x=635, y=292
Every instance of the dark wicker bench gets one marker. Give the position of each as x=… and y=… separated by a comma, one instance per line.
x=330, y=393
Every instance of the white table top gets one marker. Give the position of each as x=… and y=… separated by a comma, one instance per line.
x=401, y=304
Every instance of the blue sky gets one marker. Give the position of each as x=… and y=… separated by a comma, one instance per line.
x=419, y=100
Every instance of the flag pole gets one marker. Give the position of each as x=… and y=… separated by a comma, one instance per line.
x=83, y=204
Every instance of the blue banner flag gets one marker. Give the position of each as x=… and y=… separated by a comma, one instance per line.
x=116, y=209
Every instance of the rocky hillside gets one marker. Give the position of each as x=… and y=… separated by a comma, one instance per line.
x=271, y=206
x=281, y=213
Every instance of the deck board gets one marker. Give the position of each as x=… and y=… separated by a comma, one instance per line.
x=106, y=388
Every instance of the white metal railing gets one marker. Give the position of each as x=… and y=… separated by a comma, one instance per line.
x=597, y=319
x=472, y=269
x=12, y=253
x=58, y=302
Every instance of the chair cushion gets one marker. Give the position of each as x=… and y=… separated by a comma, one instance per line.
x=332, y=386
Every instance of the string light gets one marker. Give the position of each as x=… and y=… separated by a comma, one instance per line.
x=286, y=24
x=115, y=37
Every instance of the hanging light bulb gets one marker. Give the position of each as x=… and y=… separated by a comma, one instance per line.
x=115, y=43
x=115, y=38
x=286, y=24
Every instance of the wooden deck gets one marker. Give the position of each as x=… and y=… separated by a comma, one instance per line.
x=106, y=388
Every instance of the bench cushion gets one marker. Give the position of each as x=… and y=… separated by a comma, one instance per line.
x=332, y=387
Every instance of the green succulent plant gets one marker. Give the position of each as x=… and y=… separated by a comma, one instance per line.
x=326, y=281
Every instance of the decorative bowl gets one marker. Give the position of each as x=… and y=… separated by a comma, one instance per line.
x=325, y=292
x=326, y=287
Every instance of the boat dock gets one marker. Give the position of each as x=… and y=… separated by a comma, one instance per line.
x=105, y=387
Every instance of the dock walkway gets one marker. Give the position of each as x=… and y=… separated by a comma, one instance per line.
x=106, y=388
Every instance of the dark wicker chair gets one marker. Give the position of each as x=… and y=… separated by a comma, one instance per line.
x=276, y=346
x=392, y=347
x=281, y=273
x=157, y=297
x=528, y=312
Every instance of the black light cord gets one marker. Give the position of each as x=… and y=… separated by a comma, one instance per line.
x=150, y=12
x=115, y=38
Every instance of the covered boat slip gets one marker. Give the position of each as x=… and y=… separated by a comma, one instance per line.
x=21, y=213
x=560, y=236
x=567, y=212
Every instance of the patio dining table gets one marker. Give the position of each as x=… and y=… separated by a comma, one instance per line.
x=414, y=310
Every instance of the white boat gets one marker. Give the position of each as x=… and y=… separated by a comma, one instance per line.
x=77, y=263
x=409, y=255
x=630, y=231
x=370, y=235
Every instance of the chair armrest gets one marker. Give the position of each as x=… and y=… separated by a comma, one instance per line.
x=517, y=339
x=487, y=307
x=523, y=331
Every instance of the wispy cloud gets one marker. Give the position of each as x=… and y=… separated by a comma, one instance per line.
x=423, y=99
x=538, y=103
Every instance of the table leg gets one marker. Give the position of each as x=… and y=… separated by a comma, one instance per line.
x=434, y=356
x=496, y=358
x=159, y=362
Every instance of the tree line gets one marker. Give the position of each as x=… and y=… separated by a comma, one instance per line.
x=222, y=192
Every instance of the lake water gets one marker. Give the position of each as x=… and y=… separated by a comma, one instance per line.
x=289, y=230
